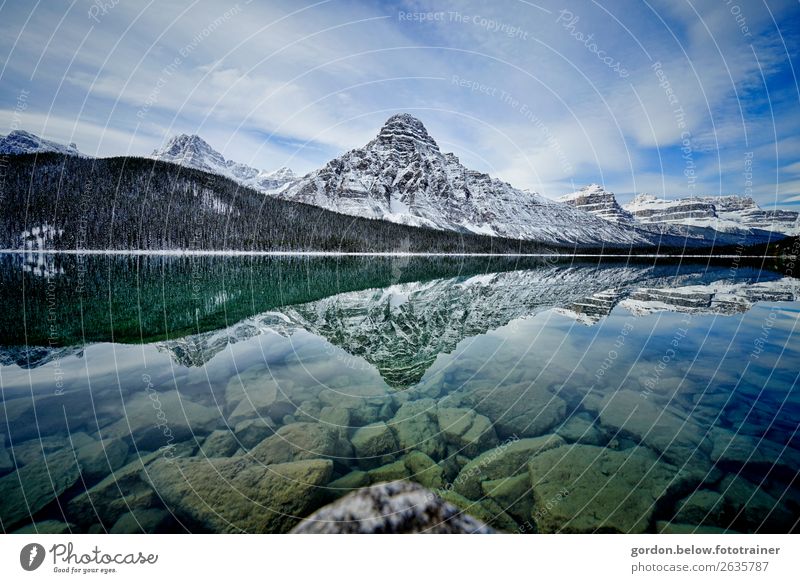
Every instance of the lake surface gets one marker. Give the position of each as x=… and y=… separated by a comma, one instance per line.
x=240, y=394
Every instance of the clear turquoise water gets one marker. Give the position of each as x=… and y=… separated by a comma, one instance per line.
x=159, y=394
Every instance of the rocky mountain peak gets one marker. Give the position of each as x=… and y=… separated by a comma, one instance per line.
x=404, y=131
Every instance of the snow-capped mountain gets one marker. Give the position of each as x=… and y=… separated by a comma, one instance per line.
x=722, y=213
x=22, y=142
x=402, y=176
x=193, y=151
x=598, y=201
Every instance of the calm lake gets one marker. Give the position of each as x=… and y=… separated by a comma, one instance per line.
x=240, y=394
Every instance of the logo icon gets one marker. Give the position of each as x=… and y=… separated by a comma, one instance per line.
x=31, y=556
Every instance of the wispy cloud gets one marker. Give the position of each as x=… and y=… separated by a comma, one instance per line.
x=546, y=95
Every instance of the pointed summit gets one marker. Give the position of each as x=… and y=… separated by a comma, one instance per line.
x=403, y=131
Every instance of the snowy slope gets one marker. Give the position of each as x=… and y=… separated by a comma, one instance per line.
x=22, y=142
x=402, y=176
x=193, y=151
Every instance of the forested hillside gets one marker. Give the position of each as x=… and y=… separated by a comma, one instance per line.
x=66, y=202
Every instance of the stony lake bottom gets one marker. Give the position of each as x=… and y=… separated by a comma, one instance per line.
x=240, y=394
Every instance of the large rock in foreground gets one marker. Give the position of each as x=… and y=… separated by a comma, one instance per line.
x=232, y=495
x=396, y=507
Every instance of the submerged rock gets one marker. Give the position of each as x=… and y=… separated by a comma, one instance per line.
x=123, y=491
x=681, y=441
x=389, y=473
x=737, y=448
x=396, y=507
x=219, y=443
x=423, y=470
x=702, y=507
x=372, y=442
x=581, y=428
x=251, y=432
x=35, y=450
x=509, y=459
x=250, y=395
x=147, y=520
x=415, y=426
x=664, y=527
x=301, y=441
x=583, y=488
x=99, y=458
x=232, y=495
x=350, y=481
x=518, y=409
x=46, y=527
x=514, y=495
x=751, y=509
x=27, y=490
x=485, y=510
x=464, y=428
x=6, y=463
x=156, y=420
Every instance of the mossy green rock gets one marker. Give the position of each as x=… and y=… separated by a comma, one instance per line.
x=517, y=409
x=373, y=441
x=464, y=428
x=232, y=495
x=99, y=458
x=703, y=507
x=350, y=481
x=584, y=488
x=506, y=460
x=514, y=495
x=146, y=520
x=46, y=527
x=389, y=472
x=423, y=470
x=415, y=426
x=485, y=511
x=34, y=486
x=300, y=441
x=219, y=443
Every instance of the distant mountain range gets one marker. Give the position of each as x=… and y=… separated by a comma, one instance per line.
x=22, y=142
x=194, y=152
x=726, y=214
x=402, y=177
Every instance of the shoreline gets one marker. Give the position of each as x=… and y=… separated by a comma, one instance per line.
x=187, y=253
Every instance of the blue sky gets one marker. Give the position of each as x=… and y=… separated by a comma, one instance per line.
x=668, y=97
